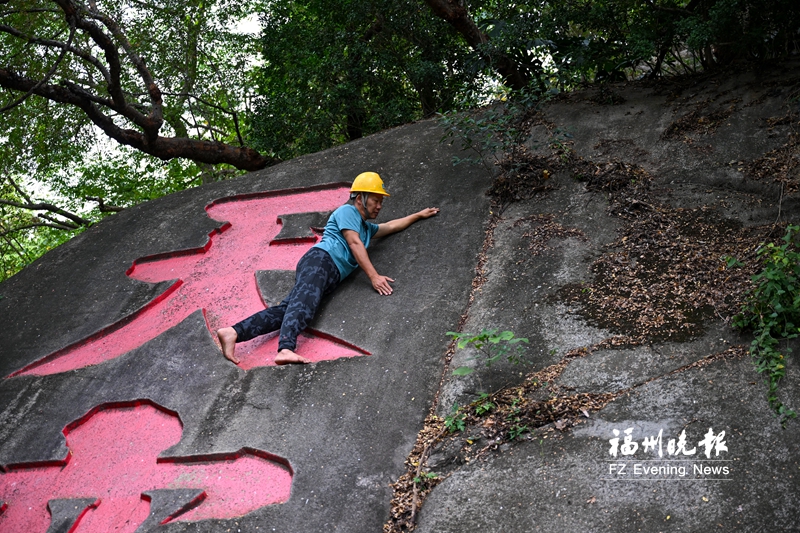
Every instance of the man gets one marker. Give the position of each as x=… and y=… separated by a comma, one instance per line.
x=343, y=248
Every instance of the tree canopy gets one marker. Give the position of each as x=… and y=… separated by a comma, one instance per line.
x=112, y=103
x=336, y=70
x=108, y=103
x=92, y=62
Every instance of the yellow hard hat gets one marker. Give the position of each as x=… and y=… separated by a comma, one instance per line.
x=368, y=182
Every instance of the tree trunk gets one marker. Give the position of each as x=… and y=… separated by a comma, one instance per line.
x=355, y=121
x=458, y=17
x=427, y=101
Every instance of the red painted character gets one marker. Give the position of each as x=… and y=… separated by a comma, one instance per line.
x=114, y=480
x=219, y=279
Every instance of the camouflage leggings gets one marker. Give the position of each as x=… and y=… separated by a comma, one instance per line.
x=316, y=275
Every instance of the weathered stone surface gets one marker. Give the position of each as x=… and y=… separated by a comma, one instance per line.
x=346, y=426
x=559, y=481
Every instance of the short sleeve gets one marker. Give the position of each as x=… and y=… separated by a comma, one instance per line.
x=350, y=219
x=373, y=228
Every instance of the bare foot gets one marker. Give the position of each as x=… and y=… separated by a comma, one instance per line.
x=227, y=340
x=288, y=357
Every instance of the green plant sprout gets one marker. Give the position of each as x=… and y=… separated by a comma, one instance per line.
x=772, y=311
x=456, y=421
x=424, y=477
x=492, y=345
x=732, y=262
x=517, y=428
x=483, y=405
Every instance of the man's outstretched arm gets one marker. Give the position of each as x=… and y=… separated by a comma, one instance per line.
x=381, y=283
x=399, y=224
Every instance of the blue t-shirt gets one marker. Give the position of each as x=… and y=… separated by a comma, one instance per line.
x=333, y=242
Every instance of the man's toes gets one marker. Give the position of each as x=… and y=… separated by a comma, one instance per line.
x=288, y=357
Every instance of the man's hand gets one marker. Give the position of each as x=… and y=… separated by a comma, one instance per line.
x=381, y=284
x=399, y=224
x=429, y=212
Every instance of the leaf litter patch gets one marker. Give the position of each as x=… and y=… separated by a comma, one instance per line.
x=782, y=164
x=670, y=268
x=700, y=121
x=544, y=228
x=608, y=176
x=669, y=271
x=521, y=176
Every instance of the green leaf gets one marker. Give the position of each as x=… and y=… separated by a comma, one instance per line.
x=506, y=335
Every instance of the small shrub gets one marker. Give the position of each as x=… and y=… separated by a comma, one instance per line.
x=424, y=479
x=492, y=346
x=772, y=311
x=492, y=132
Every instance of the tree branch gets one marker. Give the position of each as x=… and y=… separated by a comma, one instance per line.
x=49, y=72
x=14, y=244
x=51, y=43
x=61, y=223
x=164, y=148
x=678, y=10
x=104, y=208
x=44, y=206
x=207, y=127
x=374, y=29
x=16, y=11
x=150, y=124
x=9, y=231
x=76, y=221
x=100, y=32
x=109, y=48
x=233, y=114
x=156, y=116
x=458, y=17
x=19, y=190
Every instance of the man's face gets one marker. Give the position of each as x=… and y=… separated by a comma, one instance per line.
x=373, y=207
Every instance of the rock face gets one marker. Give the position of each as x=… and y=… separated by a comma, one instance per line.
x=619, y=272
x=610, y=243
x=342, y=427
